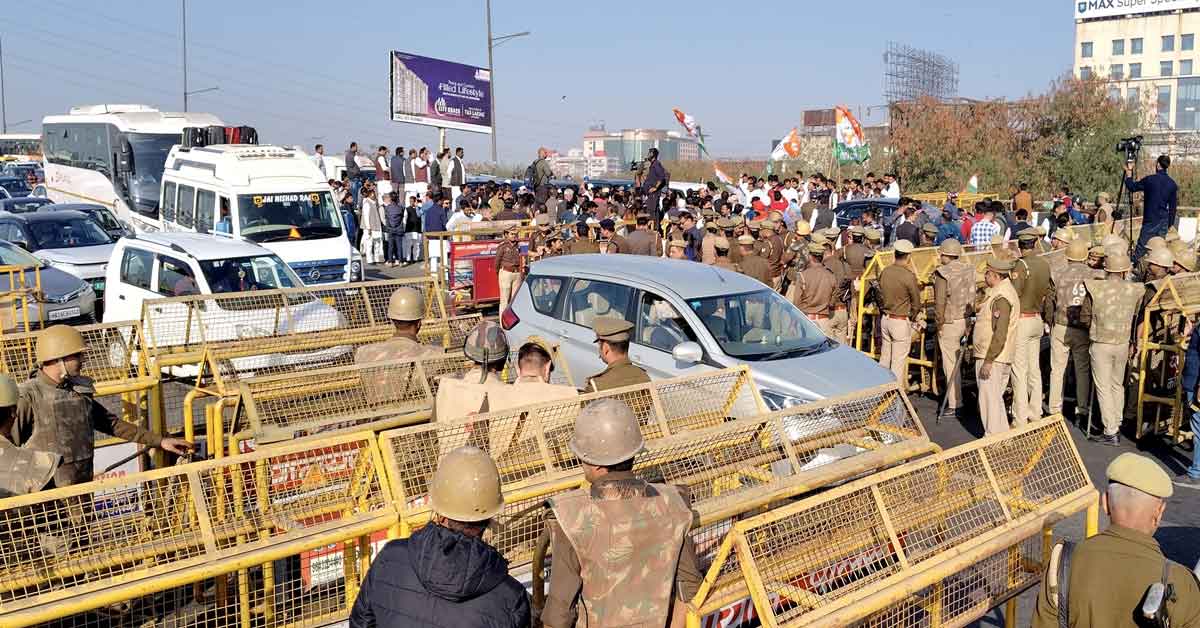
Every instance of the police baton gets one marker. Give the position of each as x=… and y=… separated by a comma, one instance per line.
x=963, y=345
x=138, y=453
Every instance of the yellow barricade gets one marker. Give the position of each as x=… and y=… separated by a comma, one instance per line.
x=1162, y=350
x=880, y=547
x=15, y=300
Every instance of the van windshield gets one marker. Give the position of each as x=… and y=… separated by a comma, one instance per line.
x=297, y=216
x=758, y=326
x=149, y=160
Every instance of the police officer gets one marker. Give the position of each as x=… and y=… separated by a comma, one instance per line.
x=1108, y=310
x=953, y=301
x=612, y=340
x=708, y=252
x=730, y=227
x=1069, y=337
x=21, y=470
x=1095, y=259
x=406, y=308
x=582, y=243
x=753, y=265
x=616, y=243
x=775, y=252
x=993, y=341
x=56, y=412
x=1031, y=278
x=641, y=241
x=900, y=301
x=677, y=249
x=874, y=238
x=928, y=234
x=655, y=572
x=1103, y=580
x=445, y=574
x=721, y=250
x=460, y=397
x=538, y=247
x=839, y=321
x=508, y=266
x=1185, y=262
x=815, y=287
x=534, y=366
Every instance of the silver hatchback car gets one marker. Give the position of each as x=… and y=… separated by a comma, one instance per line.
x=688, y=318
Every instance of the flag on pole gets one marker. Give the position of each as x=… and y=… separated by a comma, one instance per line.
x=692, y=127
x=973, y=184
x=849, y=144
x=788, y=147
x=721, y=176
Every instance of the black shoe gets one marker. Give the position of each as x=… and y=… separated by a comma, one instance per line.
x=1112, y=440
x=1187, y=481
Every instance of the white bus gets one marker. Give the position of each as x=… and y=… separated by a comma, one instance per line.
x=21, y=146
x=114, y=155
x=273, y=196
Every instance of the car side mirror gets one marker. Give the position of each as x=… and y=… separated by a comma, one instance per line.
x=24, y=245
x=688, y=352
x=125, y=159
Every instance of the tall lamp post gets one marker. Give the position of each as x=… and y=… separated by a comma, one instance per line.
x=494, y=42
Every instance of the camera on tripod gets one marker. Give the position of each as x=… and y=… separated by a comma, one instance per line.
x=1130, y=146
x=637, y=165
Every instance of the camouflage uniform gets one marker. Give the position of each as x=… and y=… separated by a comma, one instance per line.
x=62, y=419
x=1069, y=337
x=1109, y=310
x=622, y=548
x=24, y=471
x=396, y=348
x=953, y=299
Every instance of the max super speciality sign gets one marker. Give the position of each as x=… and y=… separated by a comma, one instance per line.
x=1086, y=9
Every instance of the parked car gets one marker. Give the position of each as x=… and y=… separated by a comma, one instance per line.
x=101, y=214
x=23, y=204
x=69, y=241
x=63, y=298
x=22, y=169
x=851, y=210
x=13, y=187
x=39, y=191
x=688, y=318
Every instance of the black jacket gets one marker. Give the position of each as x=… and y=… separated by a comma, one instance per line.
x=439, y=578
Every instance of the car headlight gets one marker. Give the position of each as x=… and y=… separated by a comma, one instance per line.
x=779, y=401
x=356, y=270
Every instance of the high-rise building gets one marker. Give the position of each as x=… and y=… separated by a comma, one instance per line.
x=618, y=148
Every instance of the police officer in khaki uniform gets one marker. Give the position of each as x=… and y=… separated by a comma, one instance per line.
x=582, y=243
x=56, y=412
x=1069, y=337
x=508, y=266
x=753, y=265
x=775, y=257
x=1095, y=259
x=953, y=302
x=1185, y=262
x=612, y=340
x=730, y=227
x=406, y=308
x=538, y=247
x=839, y=316
x=815, y=287
x=900, y=301
x=1108, y=310
x=21, y=470
x=642, y=240
x=1032, y=280
x=616, y=243
x=648, y=582
x=721, y=249
x=460, y=397
x=1102, y=582
x=993, y=341
x=677, y=249
x=534, y=367
x=874, y=238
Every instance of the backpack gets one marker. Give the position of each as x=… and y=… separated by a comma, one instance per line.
x=530, y=172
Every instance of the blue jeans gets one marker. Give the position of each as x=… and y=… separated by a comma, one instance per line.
x=1188, y=397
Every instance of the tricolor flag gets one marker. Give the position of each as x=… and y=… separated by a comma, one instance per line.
x=973, y=184
x=849, y=144
x=788, y=147
x=692, y=127
x=722, y=177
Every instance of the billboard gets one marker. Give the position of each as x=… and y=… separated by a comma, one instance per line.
x=1087, y=9
x=440, y=93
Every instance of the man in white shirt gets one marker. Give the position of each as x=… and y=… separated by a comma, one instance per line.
x=462, y=218
x=319, y=159
x=789, y=191
x=892, y=188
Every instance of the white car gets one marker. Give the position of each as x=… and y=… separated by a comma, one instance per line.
x=156, y=266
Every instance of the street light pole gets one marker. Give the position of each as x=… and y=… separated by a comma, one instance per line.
x=185, y=89
x=492, y=79
x=3, y=105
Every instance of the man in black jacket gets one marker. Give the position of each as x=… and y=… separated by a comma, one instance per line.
x=445, y=574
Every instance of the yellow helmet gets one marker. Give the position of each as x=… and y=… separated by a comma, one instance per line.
x=466, y=486
x=606, y=433
x=406, y=304
x=57, y=342
x=1077, y=250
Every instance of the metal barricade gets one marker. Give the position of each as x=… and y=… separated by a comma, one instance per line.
x=1162, y=349
x=904, y=540
x=15, y=299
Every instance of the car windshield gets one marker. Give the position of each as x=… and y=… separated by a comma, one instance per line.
x=758, y=326
x=298, y=216
x=12, y=255
x=24, y=205
x=15, y=187
x=105, y=218
x=242, y=274
x=67, y=233
x=149, y=159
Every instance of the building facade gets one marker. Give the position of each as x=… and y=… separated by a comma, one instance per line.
x=619, y=148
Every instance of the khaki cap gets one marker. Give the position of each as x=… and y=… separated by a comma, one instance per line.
x=1064, y=235
x=611, y=328
x=857, y=230
x=1187, y=260
x=1002, y=265
x=1177, y=246
x=1097, y=251
x=1156, y=242
x=542, y=220
x=606, y=433
x=929, y=228
x=1172, y=234
x=1077, y=250
x=721, y=244
x=803, y=228
x=775, y=215
x=466, y=486
x=57, y=342
x=1161, y=257
x=1113, y=239
x=1103, y=197
x=1138, y=471
x=767, y=224
x=903, y=246
x=8, y=391
x=816, y=248
x=745, y=240
x=1117, y=262
x=1029, y=234
x=677, y=244
x=831, y=232
x=950, y=248
x=873, y=234
x=406, y=304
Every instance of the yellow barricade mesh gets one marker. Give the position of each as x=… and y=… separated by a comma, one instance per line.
x=1163, y=351
x=111, y=356
x=816, y=556
x=88, y=538
x=191, y=324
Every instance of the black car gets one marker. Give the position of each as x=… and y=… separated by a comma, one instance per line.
x=885, y=209
x=14, y=187
x=101, y=214
x=23, y=204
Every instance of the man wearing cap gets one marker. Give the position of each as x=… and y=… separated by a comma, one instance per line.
x=508, y=266
x=612, y=343
x=1102, y=581
x=1032, y=280
x=1108, y=309
x=616, y=243
x=708, y=253
x=993, y=342
x=460, y=397
x=406, y=308
x=1095, y=259
x=1185, y=262
x=874, y=238
x=753, y=265
x=900, y=302
x=622, y=555
x=929, y=233
x=641, y=241
x=721, y=248
x=22, y=470
x=854, y=255
x=801, y=233
x=537, y=240
x=445, y=574
x=582, y=243
x=839, y=321
x=1069, y=337
x=953, y=302
x=775, y=252
x=815, y=286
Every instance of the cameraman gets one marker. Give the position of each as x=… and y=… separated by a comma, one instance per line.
x=1159, y=203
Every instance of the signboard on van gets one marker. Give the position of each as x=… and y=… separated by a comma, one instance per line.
x=440, y=93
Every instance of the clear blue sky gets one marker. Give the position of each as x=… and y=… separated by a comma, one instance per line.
x=304, y=71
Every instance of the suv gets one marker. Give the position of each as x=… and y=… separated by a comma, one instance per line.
x=688, y=318
x=69, y=241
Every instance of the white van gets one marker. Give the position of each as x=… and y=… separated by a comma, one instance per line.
x=269, y=195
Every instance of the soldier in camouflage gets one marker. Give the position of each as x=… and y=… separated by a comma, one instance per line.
x=460, y=397
x=621, y=547
x=953, y=301
x=56, y=412
x=1108, y=310
x=1069, y=337
x=21, y=470
x=406, y=308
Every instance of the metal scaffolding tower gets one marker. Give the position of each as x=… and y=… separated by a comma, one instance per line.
x=911, y=73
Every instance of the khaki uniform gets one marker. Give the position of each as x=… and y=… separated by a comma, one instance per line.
x=63, y=420
x=953, y=300
x=526, y=390
x=581, y=246
x=508, y=269
x=641, y=242
x=1069, y=337
x=618, y=244
x=1109, y=575
x=396, y=348
x=460, y=397
x=392, y=385
x=24, y=471
x=1108, y=310
x=1031, y=278
x=621, y=547
x=775, y=259
x=900, y=298
x=814, y=294
x=618, y=374
x=735, y=251
x=756, y=267
x=708, y=251
x=725, y=263
x=839, y=317
x=994, y=339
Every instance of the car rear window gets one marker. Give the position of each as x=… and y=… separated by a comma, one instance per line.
x=544, y=293
x=590, y=299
